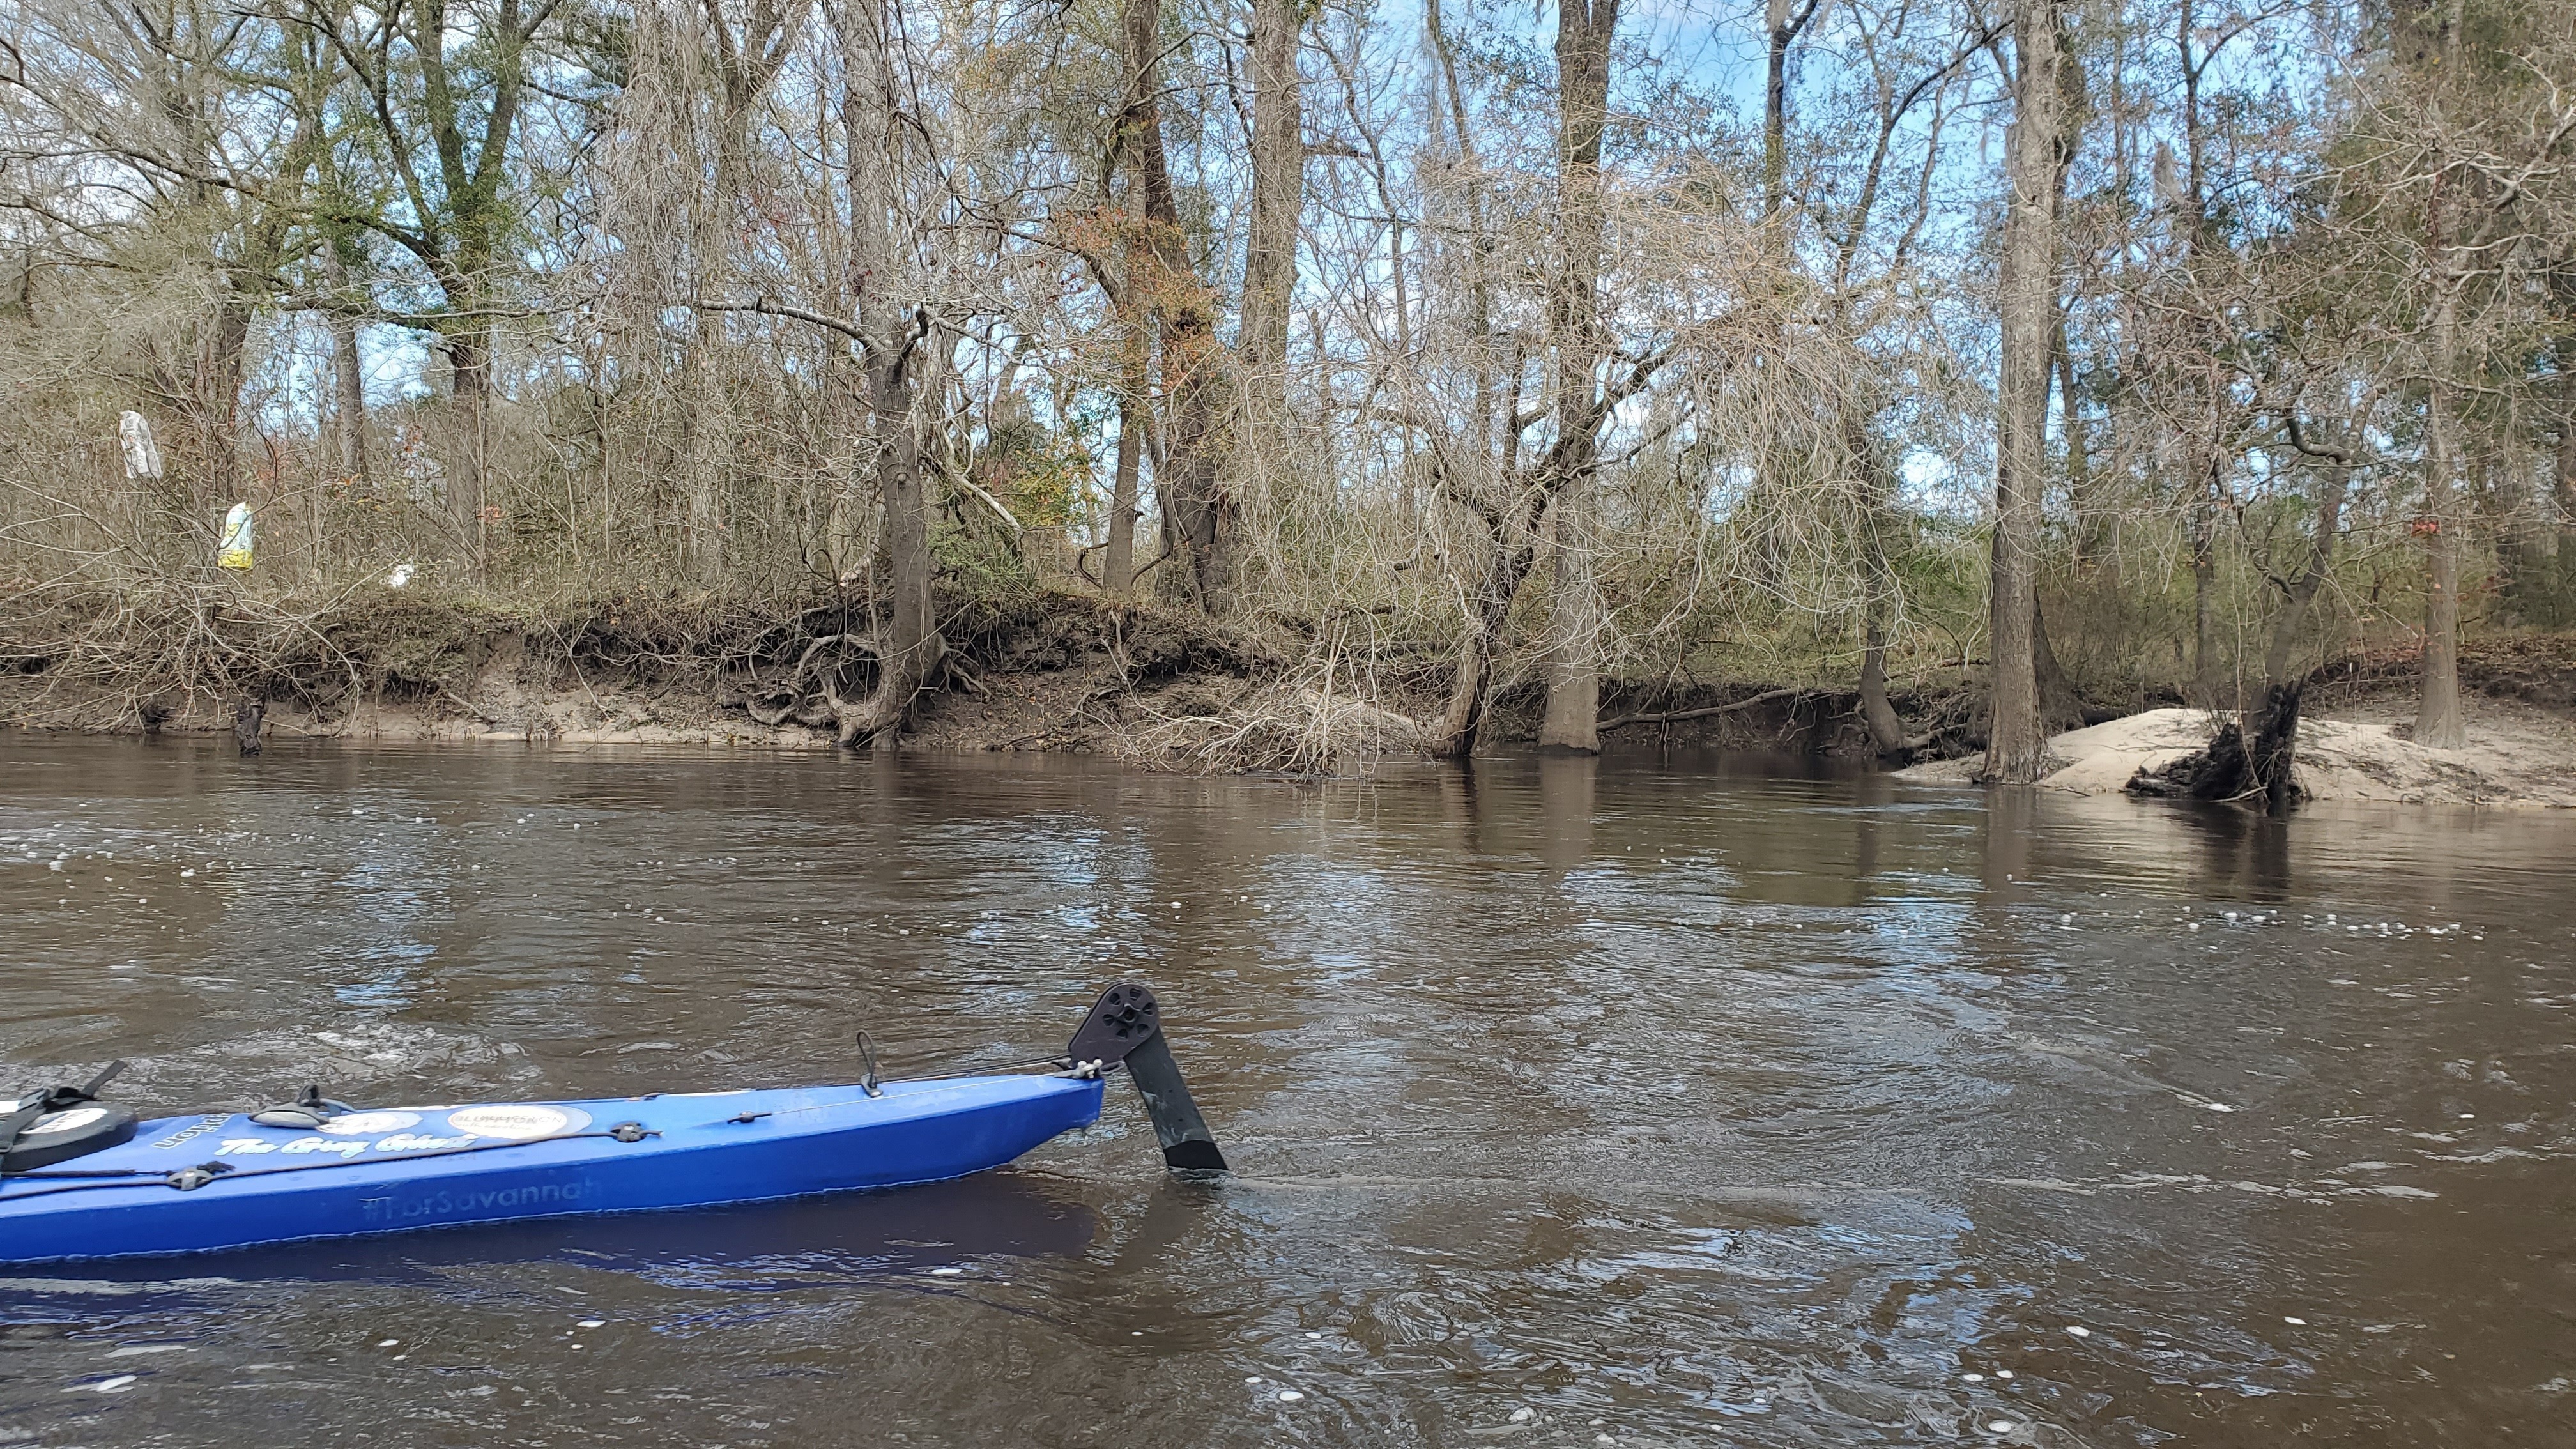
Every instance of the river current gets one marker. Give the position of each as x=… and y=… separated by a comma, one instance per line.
x=1631, y=1102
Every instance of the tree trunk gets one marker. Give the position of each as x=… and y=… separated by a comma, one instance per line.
x=912, y=646
x=1454, y=735
x=2303, y=589
x=1886, y=727
x=1118, y=561
x=348, y=376
x=1132, y=309
x=2080, y=483
x=2438, y=724
x=1584, y=30
x=219, y=385
x=469, y=355
x=1454, y=738
x=349, y=407
x=1775, y=116
x=2202, y=247
x=1270, y=246
x=2061, y=708
x=1509, y=563
x=891, y=344
x=1200, y=514
x=2016, y=750
x=703, y=542
x=2566, y=481
x=2207, y=689
x=2260, y=771
x=700, y=458
x=1572, y=724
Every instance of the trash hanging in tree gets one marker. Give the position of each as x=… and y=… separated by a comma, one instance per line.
x=142, y=455
x=233, y=550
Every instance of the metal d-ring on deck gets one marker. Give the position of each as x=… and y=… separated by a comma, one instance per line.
x=868, y=1053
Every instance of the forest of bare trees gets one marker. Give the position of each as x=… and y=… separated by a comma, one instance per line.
x=2104, y=351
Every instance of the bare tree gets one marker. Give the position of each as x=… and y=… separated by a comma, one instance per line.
x=2015, y=746
x=832, y=311
x=443, y=90
x=891, y=331
x=1584, y=37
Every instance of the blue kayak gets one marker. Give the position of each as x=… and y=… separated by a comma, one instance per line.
x=83, y=1178
x=221, y=1180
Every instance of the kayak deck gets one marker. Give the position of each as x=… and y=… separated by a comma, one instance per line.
x=202, y=1183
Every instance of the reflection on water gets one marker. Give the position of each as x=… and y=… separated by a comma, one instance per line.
x=1712, y=1106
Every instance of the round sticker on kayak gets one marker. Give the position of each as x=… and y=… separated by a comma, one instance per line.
x=368, y=1124
x=517, y=1124
x=71, y=1121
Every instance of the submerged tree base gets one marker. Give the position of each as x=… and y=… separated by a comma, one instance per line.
x=2261, y=774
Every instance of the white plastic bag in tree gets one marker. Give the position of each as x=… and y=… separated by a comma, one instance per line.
x=142, y=455
x=233, y=551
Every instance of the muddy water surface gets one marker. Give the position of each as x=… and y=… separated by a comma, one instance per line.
x=1570, y=1100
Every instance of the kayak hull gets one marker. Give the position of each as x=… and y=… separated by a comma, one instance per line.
x=404, y=1169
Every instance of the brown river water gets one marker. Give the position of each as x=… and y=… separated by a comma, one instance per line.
x=1654, y=1102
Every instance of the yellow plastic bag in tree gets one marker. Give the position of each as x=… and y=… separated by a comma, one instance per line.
x=233, y=551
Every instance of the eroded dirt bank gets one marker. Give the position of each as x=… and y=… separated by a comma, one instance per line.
x=1048, y=671
x=1062, y=671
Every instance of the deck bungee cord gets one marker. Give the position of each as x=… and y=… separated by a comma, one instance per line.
x=189, y=1179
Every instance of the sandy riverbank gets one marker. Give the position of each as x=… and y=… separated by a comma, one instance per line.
x=2518, y=754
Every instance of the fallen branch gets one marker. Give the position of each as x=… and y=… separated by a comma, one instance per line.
x=1671, y=716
